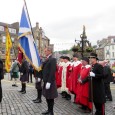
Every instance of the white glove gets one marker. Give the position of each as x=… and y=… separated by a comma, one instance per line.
x=79, y=80
x=39, y=79
x=92, y=74
x=48, y=85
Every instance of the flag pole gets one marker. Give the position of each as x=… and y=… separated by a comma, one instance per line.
x=29, y=19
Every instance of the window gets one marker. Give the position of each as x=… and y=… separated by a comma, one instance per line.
x=12, y=39
x=113, y=54
x=4, y=39
x=3, y=51
x=12, y=51
x=112, y=46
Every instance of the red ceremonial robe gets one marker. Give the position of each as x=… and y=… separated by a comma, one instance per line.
x=83, y=92
x=65, y=77
x=76, y=67
x=59, y=74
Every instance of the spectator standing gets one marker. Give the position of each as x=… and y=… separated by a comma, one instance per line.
x=1, y=77
x=14, y=73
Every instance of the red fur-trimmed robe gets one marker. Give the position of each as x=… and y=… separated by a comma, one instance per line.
x=59, y=74
x=75, y=70
x=83, y=92
x=65, y=76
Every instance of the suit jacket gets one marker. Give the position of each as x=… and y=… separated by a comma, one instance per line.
x=98, y=84
x=48, y=72
x=108, y=74
x=49, y=69
x=24, y=68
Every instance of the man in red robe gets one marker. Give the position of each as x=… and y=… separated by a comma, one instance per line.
x=65, y=76
x=75, y=70
x=83, y=86
x=59, y=71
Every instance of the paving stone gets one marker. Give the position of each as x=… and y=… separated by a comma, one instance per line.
x=15, y=103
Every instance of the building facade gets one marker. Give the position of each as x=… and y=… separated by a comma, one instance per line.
x=106, y=49
x=13, y=30
x=41, y=40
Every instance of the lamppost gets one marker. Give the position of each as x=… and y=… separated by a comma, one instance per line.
x=83, y=45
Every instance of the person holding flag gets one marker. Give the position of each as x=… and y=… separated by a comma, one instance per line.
x=24, y=70
x=27, y=47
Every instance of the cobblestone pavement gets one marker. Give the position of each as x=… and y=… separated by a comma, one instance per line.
x=15, y=103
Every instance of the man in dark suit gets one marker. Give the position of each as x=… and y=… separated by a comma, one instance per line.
x=24, y=69
x=108, y=78
x=49, y=87
x=98, y=90
x=1, y=77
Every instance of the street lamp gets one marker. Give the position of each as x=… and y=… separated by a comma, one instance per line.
x=83, y=45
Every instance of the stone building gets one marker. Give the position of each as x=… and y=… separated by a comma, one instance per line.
x=101, y=46
x=41, y=40
x=13, y=29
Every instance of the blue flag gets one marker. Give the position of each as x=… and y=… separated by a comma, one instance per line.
x=26, y=41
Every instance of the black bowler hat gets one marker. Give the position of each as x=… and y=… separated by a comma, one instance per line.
x=93, y=55
x=62, y=57
x=75, y=55
x=67, y=58
x=86, y=59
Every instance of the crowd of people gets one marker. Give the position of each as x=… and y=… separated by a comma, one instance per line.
x=86, y=80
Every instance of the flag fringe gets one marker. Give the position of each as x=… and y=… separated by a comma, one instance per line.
x=22, y=50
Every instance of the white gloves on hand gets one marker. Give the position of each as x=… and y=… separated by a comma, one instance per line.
x=39, y=79
x=79, y=80
x=92, y=74
x=48, y=85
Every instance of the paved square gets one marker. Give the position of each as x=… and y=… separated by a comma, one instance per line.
x=15, y=103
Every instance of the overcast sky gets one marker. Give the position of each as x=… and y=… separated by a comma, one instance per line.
x=63, y=20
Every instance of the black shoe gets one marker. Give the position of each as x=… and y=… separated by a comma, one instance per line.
x=38, y=101
x=13, y=84
x=46, y=113
x=35, y=99
x=20, y=91
x=68, y=98
x=16, y=86
x=51, y=113
x=23, y=92
x=107, y=99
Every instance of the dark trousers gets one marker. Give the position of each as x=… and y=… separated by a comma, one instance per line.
x=39, y=93
x=0, y=92
x=100, y=108
x=108, y=91
x=23, y=87
x=50, y=103
x=30, y=75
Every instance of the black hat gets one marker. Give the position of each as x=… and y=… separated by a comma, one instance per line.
x=67, y=58
x=62, y=57
x=75, y=55
x=93, y=55
x=86, y=59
